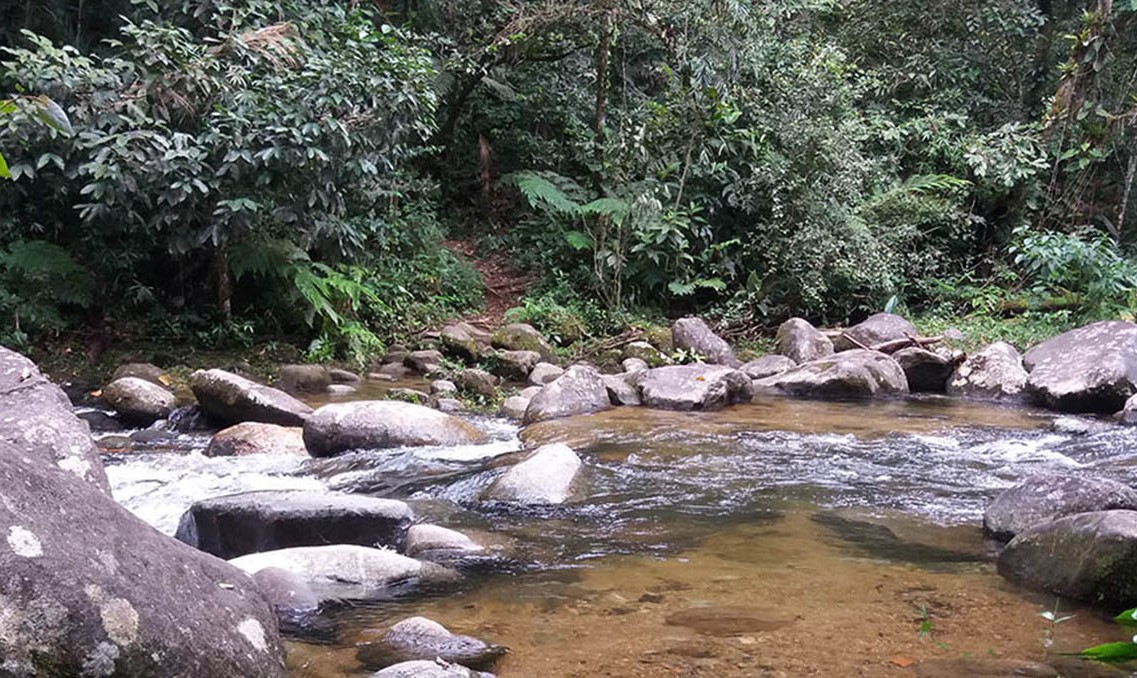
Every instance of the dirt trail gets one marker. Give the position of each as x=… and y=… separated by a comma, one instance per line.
x=505, y=285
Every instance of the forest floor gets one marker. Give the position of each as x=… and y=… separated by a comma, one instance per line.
x=504, y=284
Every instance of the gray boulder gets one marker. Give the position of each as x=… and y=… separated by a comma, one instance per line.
x=767, y=366
x=425, y=362
x=442, y=387
x=419, y=638
x=801, y=342
x=390, y=372
x=543, y=373
x=548, y=476
x=304, y=378
x=645, y=352
x=634, y=365
x=425, y=539
x=340, y=376
x=138, y=401
x=693, y=335
x=522, y=337
x=464, y=341
x=1090, y=369
x=232, y=399
x=926, y=372
x=147, y=371
x=250, y=522
x=290, y=596
x=448, y=405
x=88, y=589
x=849, y=374
x=253, y=437
x=514, y=408
x=876, y=329
x=429, y=669
x=995, y=373
x=477, y=382
x=340, y=390
x=36, y=419
x=1128, y=414
x=1048, y=496
x=377, y=424
x=347, y=571
x=580, y=390
x=1089, y=557
x=693, y=387
x=620, y=390
x=515, y=365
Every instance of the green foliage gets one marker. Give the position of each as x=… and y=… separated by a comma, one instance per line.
x=1116, y=653
x=1087, y=265
x=39, y=281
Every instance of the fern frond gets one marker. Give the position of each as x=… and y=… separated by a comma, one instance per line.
x=271, y=258
x=541, y=192
x=933, y=183
x=613, y=208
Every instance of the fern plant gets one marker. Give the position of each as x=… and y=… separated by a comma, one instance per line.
x=37, y=281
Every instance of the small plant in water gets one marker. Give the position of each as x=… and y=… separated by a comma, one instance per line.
x=1116, y=653
x=1054, y=619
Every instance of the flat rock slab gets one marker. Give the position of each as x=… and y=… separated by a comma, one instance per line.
x=1090, y=369
x=251, y=522
x=378, y=424
x=728, y=620
x=1049, y=496
x=693, y=387
x=849, y=374
x=232, y=399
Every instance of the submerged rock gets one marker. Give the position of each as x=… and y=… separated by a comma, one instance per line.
x=419, y=638
x=693, y=335
x=801, y=342
x=1048, y=496
x=252, y=437
x=693, y=387
x=548, y=476
x=429, y=669
x=232, y=399
x=138, y=401
x=874, y=330
x=522, y=337
x=1090, y=369
x=377, y=424
x=1089, y=557
x=926, y=372
x=995, y=373
x=580, y=390
x=849, y=374
x=250, y=522
x=304, y=378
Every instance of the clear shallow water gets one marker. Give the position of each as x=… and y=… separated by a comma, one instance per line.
x=849, y=516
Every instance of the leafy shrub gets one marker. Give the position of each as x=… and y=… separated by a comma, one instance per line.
x=38, y=281
x=1087, y=265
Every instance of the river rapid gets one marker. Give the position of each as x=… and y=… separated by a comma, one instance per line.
x=778, y=538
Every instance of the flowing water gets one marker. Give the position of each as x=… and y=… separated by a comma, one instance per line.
x=779, y=538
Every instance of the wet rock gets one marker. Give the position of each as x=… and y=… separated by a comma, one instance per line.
x=138, y=401
x=515, y=365
x=543, y=373
x=1090, y=369
x=547, y=476
x=634, y=365
x=693, y=335
x=620, y=391
x=424, y=362
x=89, y=589
x=448, y=405
x=522, y=337
x=580, y=390
x=644, y=352
x=693, y=387
x=377, y=424
x=253, y=437
x=391, y=372
x=232, y=399
x=250, y=522
x=340, y=376
x=926, y=372
x=419, y=638
x=900, y=537
x=304, y=378
x=429, y=669
x=1128, y=414
x=189, y=419
x=729, y=620
x=464, y=341
x=146, y=371
x=849, y=374
x=425, y=539
x=514, y=408
x=290, y=597
x=995, y=373
x=529, y=392
x=36, y=419
x=1089, y=557
x=477, y=382
x=1078, y=426
x=340, y=390
x=101, y=422
x=801, y=342
x=767, y=366
x=876, y=329
x=1048, y=496
x=442, y=387
x=348, y=572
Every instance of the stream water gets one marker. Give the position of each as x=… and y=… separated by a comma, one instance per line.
x=779, y=538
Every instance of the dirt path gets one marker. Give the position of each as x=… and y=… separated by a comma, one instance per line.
x=505, y=285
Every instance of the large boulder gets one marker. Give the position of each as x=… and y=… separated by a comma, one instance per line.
x=543, y=373
x=801, y=342
x=347, y=571
x=290, y=597
x=693, y=335
x=424, y=539
x=232, y=399
x=36, y=419
x=1089, y=557
x=1049, y=496
x=419, y=638
x=514, y=408
x=138, y=401
x=874, y=330
x=768, y=366
x=580, y=390
x=522, y=337
x=514, y=365
x=253, y=437
x=88, y=589
x=464, y=341
x=250, y=522
x=375, y=424
x=693, y=387
x=1090, y=369
x=642, y=350
x=849, y=374
x=926, y=372
x=621, y=390
x=477, y=382
x=423, y=668
x=147, y=371
x=304, y=378
x=426, y=362
x=995, y=373
x=548, y=476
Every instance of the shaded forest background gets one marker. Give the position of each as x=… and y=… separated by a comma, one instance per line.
x=241, y=169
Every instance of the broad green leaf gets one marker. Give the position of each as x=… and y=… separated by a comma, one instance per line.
x=52, y=114
x=7, y=106
x=578, y=240
x=4, y=173
x=1111, y=653
x=1128, y=617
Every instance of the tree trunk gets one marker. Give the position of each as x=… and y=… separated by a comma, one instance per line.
x=603, y=53
x=224, y=282
x=1072, y=88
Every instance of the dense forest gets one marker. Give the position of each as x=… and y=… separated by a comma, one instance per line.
x=240, y=169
